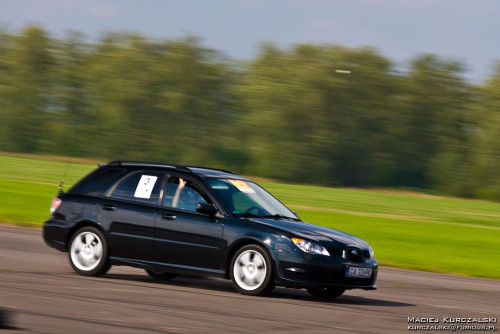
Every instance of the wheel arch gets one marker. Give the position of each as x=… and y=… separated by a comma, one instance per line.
x=81, y=224
x=242, y=243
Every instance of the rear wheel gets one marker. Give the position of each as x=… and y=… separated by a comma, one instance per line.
x=88, y=252
x=251, y=271
x=161, y=275
x=326, y=293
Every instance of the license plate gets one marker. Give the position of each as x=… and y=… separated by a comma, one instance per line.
x=358, y=272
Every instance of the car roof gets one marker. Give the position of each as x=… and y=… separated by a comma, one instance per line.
x=205, y=172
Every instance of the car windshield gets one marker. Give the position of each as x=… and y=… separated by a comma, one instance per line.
x=248, y=199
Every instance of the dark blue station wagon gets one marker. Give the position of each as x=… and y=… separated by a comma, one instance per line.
x=172, y=220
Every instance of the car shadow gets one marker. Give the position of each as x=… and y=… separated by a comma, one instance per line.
x=211, y=284
x=345, y=299
x=181, y=281
x=7, y=320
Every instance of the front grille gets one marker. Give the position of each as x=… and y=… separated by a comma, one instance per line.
x=366, y=254
x=355, y=255
x=335, y=252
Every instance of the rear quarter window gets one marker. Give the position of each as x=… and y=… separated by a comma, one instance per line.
x=98, y=182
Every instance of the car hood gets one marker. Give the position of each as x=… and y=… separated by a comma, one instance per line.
x=313, y=232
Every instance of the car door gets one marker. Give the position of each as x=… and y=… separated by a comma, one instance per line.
x=184, y=238
x=130, y=213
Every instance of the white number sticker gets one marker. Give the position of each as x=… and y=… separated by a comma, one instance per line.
x=145, y=186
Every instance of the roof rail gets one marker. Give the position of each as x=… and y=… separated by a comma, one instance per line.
x=148, y=163
x=218, y=169
x=162, y=164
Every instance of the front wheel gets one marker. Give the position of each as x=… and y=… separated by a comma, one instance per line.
x=326, y=293
x=88, y=252
x=252, y=271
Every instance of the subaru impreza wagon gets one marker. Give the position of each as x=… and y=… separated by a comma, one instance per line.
x=172, y=220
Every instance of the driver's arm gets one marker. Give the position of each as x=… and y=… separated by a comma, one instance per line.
x=175, y=201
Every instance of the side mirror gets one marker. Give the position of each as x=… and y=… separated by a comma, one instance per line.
x=295, y=213
x=206, y=209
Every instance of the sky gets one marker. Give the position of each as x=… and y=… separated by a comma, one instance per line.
x=465, y=31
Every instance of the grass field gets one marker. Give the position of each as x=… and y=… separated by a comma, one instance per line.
x=407, y=230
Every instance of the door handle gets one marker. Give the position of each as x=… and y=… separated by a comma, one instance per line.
x=167, y=216
x=108, y=207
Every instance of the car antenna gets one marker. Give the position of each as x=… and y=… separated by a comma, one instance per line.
x=61, y=182
x=60, y=187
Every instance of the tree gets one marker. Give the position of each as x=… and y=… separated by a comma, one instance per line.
x=433, y=122
x=486, y=156
x=29, y=68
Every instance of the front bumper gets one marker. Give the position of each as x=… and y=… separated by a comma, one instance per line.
x=301, y=270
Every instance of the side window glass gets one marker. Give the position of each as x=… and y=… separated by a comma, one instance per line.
x=183, y=194
x=140, y=187
x=98, y=182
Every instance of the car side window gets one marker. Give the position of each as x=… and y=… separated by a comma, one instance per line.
x=98, y=182
x=183, y=194
x=140, y=187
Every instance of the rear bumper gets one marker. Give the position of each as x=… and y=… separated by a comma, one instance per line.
x=302, y=270
x=55, y=233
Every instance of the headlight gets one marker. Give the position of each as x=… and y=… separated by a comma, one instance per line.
x=372, y=253
x=310, y=247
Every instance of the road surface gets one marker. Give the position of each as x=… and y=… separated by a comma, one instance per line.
x=42, y=294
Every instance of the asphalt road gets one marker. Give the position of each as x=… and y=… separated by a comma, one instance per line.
x=42, y=294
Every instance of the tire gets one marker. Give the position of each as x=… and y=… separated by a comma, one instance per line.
x=161, y=275
x=88, y=252
x=326, y=293
x=251, y=271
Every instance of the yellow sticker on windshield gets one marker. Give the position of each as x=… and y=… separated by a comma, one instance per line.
x=242, y=186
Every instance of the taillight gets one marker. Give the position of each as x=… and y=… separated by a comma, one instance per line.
x=56, y=202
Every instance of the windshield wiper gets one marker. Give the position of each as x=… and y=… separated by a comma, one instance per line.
x=278, y=216
x=249, y=215
x=275, y=216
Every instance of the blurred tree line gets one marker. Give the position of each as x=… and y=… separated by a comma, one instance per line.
x=286, y=114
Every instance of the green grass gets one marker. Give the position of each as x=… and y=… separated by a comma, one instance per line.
x=407, y=230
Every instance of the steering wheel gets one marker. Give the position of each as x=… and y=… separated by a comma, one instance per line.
x=259, y=210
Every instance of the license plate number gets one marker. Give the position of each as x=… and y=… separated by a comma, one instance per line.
x=358, y=272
